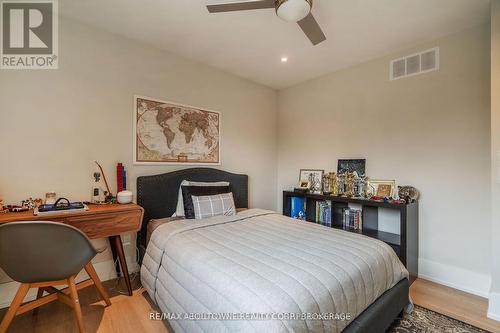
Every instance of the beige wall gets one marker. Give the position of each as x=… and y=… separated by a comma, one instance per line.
x=431, y=131
x=494, y=309
x=55, y=123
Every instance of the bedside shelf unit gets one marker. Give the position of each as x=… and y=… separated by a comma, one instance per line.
x=405, y=244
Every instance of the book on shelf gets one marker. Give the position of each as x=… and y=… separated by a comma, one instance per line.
x=324, y=212
x=298, y=208
x=352, y=219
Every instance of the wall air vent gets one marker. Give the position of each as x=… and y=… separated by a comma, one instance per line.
x=414, y=64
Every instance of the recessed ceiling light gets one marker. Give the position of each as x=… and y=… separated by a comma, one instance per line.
x=284, y=59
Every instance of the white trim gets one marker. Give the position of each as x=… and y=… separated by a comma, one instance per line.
x=105, y=270
x=493, y=316
x=178, y=104
x=494, y=306
x=455, y=277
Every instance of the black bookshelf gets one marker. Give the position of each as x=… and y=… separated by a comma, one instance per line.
x=404, y=244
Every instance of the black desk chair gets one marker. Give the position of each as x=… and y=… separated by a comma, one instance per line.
x=43, y=255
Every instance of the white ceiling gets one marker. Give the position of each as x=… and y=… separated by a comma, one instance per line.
x=250, y=44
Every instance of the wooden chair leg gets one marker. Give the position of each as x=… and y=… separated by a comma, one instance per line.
x=39, y=295
x=89, y=268
x=14, y=306
x=76, y=303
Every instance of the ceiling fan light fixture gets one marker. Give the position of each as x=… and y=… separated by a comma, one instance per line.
x=293, y=10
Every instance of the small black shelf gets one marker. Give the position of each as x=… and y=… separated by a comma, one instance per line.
x=405, y=244
x=387, y=237
x=361, y=201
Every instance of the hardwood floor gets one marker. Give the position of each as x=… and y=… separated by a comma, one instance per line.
x=126, y=314
x=131, y=314
x=453, y=303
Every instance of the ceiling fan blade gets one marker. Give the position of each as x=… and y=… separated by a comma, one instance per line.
x=311, y=29
x=249, y=5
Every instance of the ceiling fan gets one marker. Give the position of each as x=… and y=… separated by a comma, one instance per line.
x=289, y=10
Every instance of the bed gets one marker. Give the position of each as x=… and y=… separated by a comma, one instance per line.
x=260, y=271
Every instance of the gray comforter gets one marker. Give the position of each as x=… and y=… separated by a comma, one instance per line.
x=260, y=271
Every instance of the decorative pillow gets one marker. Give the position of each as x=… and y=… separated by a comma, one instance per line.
x=189, y=191
x=179, y=211
x=214, y=205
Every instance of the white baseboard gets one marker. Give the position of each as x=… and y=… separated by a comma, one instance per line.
x=494, y=306
x=455, y=277
x=105, y=270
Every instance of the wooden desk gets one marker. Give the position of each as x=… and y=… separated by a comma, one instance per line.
x=100, y=221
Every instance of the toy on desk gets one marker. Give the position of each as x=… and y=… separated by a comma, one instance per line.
x=108, y=196
x=61, y=205
x=32, y=203
x=26, y=205
x=98, y=194
x=123, y=196
x=121, y=178
x=13, y=208
x=17, y=209
x=2, y=208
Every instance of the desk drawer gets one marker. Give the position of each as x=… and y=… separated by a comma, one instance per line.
x=107, y=224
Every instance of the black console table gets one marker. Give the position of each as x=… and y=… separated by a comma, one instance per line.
x=404, y=244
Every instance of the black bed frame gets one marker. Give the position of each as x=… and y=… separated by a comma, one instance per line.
x=158, y=196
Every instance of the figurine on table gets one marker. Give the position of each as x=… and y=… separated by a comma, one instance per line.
x=2, y=210
x=108, y=196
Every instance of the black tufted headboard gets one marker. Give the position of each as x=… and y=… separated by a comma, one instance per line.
x=158, y=194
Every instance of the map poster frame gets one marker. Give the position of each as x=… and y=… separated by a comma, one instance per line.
x=179, y=161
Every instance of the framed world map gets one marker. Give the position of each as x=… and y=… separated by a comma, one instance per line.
x=172, y=133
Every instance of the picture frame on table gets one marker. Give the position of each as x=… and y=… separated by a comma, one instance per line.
x=304, y=185
x=385, y=188
x=314, y=177
x=352, y=165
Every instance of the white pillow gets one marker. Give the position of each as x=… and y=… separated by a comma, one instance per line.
x=179, y=211
x=214, y=205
